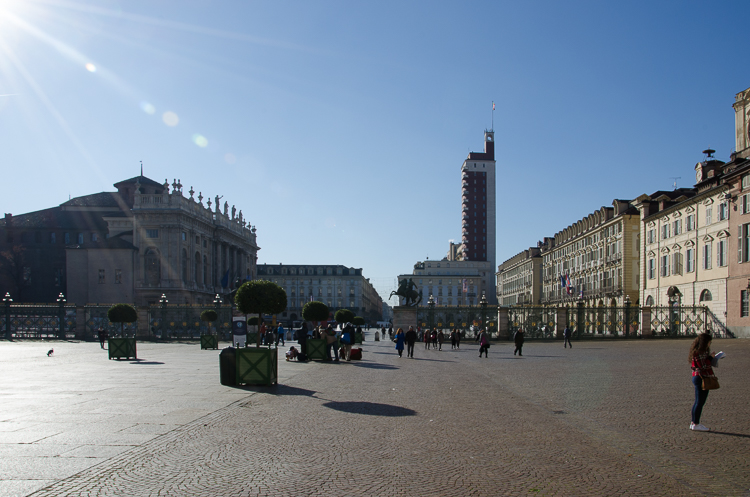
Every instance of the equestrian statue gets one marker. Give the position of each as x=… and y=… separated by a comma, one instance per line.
x=408, y=290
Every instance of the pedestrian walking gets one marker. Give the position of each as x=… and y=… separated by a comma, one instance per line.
x=433, y=337
x=280, y=332
x=427, y=338
x=453, y=338
x=518, y=340
x=410, y=337
x=440, y=339
x=102, y=336
x=331, y=343
x=262, y=331
x=399, y=341
x=701, y=361
x=458, y=339
x=566, y=338
x=484, y=343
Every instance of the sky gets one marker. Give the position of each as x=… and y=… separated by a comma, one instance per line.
x=339, y=128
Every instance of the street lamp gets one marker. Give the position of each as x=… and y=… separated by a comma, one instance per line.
x=61, y=302
x=217, y=305
x=627, y=315
x=483, y=304
x=7, y=300
x=163, y=305
x=431, y=305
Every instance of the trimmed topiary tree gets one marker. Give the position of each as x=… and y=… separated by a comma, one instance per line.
x=358, y=321
x=343, y=316
x=258, y=297
x=122, y=313
x=209, y=316
x=252, y=321
x=315, y=311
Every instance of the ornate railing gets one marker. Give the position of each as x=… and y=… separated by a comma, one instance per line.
x=37, y=321
x=461, y=317
x=536, y=321
x=679, y=321
x=175, y=321
x=605, y=322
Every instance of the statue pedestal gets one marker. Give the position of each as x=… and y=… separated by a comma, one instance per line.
x=404, y=316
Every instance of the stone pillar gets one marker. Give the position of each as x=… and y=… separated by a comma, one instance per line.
x=404, y=316
x=143, y=329
x=562, y=321
x=81, y=333
x=503, y=323
x=646, y=330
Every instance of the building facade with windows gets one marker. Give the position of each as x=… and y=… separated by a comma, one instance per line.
x=685, y=249
x=339, y=287
x=519, y=279
x=452, y=282
x=595, y=260
x=133, y=245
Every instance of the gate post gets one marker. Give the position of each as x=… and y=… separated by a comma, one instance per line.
x=81, y=328
x=646, y=330
x=7, y=301
x=502, y=323
x=561, y=321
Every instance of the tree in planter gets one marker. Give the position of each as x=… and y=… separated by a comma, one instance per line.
x=122, y=313
x=258, y=297
x=343, y=316
x=358, y=321
x=315, y=311
x=209, y=316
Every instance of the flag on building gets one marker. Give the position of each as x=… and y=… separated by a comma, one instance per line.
x=493, y=105
x=465, y=286
x=225, y=280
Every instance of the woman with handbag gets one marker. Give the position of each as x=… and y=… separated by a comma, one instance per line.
x=701, y=362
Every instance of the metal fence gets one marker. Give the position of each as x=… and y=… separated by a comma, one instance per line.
x=605, y=322
x=536, y=321
x=38, y=321
x=184, y=321
x=679, y=321
x=467, y=319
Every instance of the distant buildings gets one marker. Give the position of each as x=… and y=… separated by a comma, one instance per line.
x=468, y=271
x=339, y=287
x=519, y=278
x=132, y=245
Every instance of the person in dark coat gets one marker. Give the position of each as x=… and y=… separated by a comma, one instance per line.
x=566, y=338
x=410, y=337
x=518, y=339
x=302, y=341
x=102, y=336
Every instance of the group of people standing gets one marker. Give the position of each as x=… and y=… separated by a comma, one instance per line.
x=272, y=335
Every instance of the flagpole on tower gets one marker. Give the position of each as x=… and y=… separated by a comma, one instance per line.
x=493, y=116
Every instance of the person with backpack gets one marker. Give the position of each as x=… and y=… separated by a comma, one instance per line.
x=484, y=343
x=347, y=339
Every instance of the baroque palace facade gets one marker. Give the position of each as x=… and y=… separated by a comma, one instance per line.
x=133, y=245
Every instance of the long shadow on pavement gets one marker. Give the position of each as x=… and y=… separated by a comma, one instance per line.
x=370, y=408
x=730, y=434
x=278, y=389
x=374, y=365
x=146, y=363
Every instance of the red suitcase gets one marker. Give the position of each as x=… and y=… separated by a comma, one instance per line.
x=356, y=354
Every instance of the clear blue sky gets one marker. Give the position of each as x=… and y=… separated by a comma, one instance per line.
x=339, y=128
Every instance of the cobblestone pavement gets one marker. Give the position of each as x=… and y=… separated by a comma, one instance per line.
x=604, y=418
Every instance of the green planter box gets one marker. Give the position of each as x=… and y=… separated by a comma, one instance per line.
x=257, y=366
x=121, y=348
x=316, y=349
x=358, y=338
x=209, y=342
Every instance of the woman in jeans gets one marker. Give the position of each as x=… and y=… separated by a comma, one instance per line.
x=701, y=359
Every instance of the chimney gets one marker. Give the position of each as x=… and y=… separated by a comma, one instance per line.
x=8, y=220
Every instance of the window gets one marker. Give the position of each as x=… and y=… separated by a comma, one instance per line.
x=94, y=237
x=744, y=303
x=743, y=243
x=706, y=296
x=80, y=238
x=651, y=269
x=707, y=256
x=690, y=222
x=101, y=276
x=649, y=301
x=52, y=238
x=723, y=211
x=721, y=253
x=746, y=181
x=709, y=212
x=650, y=236
x=664, y=231
x=184, y=236
x=152, y=233
x=677, y=263
x=118, y=276
x=26, y=276
x=58, y=277
x=664, y=265
x=677, y=227
x=690, y=256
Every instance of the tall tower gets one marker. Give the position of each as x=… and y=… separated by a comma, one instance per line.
x=478, y=208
